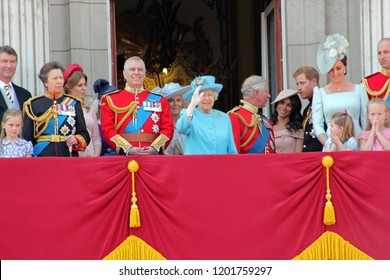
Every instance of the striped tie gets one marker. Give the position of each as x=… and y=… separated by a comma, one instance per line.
x=8, y=93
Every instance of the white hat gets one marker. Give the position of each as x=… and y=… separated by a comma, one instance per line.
x=333, y=47
x=284, y=94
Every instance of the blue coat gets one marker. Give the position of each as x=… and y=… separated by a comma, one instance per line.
x=207, y=133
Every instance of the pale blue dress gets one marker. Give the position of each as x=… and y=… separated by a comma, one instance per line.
x=351, y=143
x=325, y=105
x=206, y=133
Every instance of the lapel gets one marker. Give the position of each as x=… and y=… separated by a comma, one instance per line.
x=3, y=105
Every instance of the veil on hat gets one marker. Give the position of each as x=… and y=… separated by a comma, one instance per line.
x=333, y=47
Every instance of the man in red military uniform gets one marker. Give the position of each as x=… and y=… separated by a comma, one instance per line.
x=378, y=84
x=253, y=133
x=135, y=121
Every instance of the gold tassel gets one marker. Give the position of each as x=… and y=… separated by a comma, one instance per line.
x=329, y=214
x=134, y=218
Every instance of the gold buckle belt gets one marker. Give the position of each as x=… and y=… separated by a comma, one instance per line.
x=51, y=138
x=139, y=137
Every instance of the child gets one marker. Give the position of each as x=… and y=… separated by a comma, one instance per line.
x=376, y=137
x=341, y=134
x=11, y=145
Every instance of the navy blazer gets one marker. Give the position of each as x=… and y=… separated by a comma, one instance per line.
x=21, y=93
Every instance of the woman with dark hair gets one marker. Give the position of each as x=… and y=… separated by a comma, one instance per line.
x=54, y=121
x=287, y=122
x=339, y=94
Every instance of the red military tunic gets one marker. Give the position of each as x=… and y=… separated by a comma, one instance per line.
x=136, y=120
x=378, y=85
x=252, y=131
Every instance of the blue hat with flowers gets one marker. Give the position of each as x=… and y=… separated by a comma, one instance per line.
x=333, y=47
x=205, y=83
x=171, y=89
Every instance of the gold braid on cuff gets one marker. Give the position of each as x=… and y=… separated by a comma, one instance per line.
x=121, y=143
x=159, y=143
x=81, y=142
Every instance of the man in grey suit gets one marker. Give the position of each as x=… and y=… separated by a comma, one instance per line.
x=12, y=96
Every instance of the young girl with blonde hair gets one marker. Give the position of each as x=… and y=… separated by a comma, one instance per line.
x=341, y=134
x=11, y=143
x=376, y=137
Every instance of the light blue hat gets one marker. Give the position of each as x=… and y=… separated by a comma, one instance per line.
x=206, y=82
x=171, y=89
x=333, y=47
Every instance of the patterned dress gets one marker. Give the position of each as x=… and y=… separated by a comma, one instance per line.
x=13, y=149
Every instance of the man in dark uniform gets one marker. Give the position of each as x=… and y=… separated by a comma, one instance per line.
x=378, y=84
x=306, y=78
x=12, y=96
x=135, y=121
x=253, y=133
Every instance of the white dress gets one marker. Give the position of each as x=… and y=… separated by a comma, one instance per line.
x=325, y=105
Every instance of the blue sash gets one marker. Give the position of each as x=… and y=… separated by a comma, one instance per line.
x=261, y=141
x=40, y=146
x=142, y=117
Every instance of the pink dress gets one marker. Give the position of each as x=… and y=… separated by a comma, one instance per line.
x=285, y=140
x=377, y=146
x=93, y=129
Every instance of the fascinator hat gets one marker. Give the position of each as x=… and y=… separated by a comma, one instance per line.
x=333, y=47
x=72, y=68
x=205, y=83
x=171, y=89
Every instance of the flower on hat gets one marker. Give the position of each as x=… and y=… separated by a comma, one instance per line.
x=337, y=45
x=333, y=52
x=199, y=81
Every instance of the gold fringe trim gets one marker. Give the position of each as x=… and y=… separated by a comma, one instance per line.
x=384, y=89
x=331, y=246
x=329, y=214
x=134, y=218
x=134, y=248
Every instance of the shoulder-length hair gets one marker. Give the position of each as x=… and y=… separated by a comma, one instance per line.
x=295, y=119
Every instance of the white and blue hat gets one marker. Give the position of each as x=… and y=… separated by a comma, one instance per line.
x=171, y=89
x=333, y=47
x=205, y=83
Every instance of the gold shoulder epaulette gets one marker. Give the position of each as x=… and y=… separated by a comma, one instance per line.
x=74, y=97
x=234, y=109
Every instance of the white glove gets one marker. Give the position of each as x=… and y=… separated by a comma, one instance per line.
x=194, y=102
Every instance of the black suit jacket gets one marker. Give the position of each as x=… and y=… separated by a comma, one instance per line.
x=21, y=93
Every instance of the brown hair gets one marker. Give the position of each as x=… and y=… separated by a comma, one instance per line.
x=73, y=79
x=43, y=74
x=310, y=73
x=344, y=61
x=344, y=120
